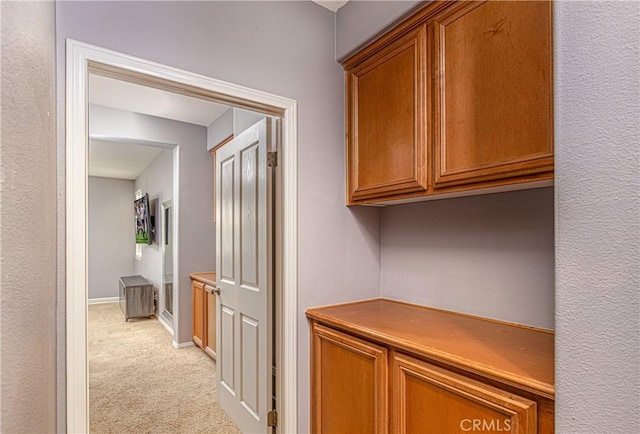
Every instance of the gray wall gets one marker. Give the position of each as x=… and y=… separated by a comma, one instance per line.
x=596, y=210
x=243, y=119
x=28, y=215
x=110, y=233
x=233, y=121
x=157, y=181
x=194, y=204
x=597, y=106
x=220, y=129
x=358, y=22
x=286, y=48
x=488, y=255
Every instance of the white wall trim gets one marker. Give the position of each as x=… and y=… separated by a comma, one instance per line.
x=104, y=300
x=81, y=58
x=182, y=345
x=176, y=242
x=160, y=236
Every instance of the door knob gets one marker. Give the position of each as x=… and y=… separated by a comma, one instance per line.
x=211, y=289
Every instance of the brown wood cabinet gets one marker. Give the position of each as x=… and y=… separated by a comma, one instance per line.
x=384, y=366
x=204, y=311
x=457, y=97
x=351, y=378
x=198, y=313
x=386, y=107
x=422, y=393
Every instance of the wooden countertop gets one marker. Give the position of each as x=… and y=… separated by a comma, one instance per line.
x=509, y=353
x=208, y=278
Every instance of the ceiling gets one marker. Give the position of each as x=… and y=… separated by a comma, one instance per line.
x=131, y=97
x=331, y=5
x=127, y=160
x=121, y=160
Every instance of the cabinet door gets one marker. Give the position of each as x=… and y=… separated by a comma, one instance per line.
x=493, y=99
x=386, y=112
x=428, y=399
x=349, y=384
x=210, y=322
x=198, y=313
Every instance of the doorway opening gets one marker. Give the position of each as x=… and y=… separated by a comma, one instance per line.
x=83, y=59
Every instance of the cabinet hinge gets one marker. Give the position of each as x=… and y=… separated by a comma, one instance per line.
x=272, y=419
x=272, y=159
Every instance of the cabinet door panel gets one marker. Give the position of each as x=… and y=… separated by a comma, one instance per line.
x=493, y=115
x=428, y=399
x=349, y=384
x=198, y=313
x=386, y=103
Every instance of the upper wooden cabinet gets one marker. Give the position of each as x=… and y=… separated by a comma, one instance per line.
x=493, y=99
x=457, y=97
x=386, y=102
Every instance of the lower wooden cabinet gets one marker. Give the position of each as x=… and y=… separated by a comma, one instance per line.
x=381, y=366
x=197, y=289
x=431, y=400
x=349, y=384
x=204, y=312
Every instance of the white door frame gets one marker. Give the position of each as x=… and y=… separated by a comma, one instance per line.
x=167, y=204
x=83, y=58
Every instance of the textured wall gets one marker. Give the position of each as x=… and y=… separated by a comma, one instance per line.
x=28, y=216
x=488, y=255
x=110, y=233
x=286, y=48
x=597, y=106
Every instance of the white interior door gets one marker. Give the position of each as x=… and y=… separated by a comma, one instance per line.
x=244, y=386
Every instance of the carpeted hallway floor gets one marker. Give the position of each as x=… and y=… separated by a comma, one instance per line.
x=139, y=383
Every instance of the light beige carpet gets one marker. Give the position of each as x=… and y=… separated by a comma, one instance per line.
x=139, y=383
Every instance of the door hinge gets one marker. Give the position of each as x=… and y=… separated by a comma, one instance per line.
x=272, y=419
x=272, y=159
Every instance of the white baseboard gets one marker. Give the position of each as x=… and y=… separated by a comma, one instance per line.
x=103, y=300
x=183, y=345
